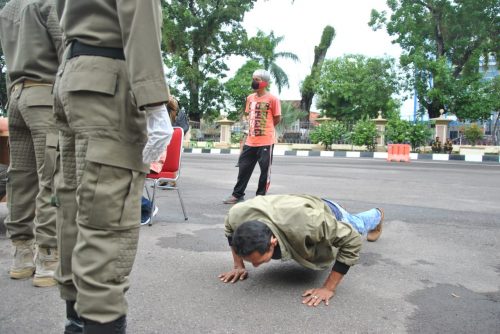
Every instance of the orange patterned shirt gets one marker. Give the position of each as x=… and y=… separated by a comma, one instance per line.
x=261, y=111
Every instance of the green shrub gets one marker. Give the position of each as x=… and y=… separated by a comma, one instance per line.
x=397, y=131
x=420, y=134
x=473, y=133
x=236, y=137
x=364, y=133
x=328, y=133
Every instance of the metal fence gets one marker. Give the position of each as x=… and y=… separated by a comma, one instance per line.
x=210, y=132
x=299, y=133
x=204, y=131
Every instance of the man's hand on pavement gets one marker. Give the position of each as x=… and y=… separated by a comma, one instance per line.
x=233, y=276
x=314, y=297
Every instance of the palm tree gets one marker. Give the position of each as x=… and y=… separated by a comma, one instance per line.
x=263, y=48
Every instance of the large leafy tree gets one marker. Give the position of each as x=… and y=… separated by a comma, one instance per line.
x=442, y=42
x=308, y=89
x=198, y=38
x=472, y=100
x=354, y=87
x=263, y=49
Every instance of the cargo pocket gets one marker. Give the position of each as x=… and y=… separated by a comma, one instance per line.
x=108, y=197
x=91, y=98
x=40, y=96
x=132, y=211
x=127, y=239
x=49, y=162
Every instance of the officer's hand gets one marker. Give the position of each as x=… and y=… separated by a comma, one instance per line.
x=314, y=297
x=233, y=276
x=159, y=132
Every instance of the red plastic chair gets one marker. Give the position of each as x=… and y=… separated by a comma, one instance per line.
x=170, y=171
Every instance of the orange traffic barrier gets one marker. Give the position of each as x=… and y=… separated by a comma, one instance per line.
x=405, y=154
x=398, y=152
x=390, y=152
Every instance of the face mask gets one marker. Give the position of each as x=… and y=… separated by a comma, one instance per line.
x=258, y=85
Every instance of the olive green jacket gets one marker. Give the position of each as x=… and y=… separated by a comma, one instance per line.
x=306, y=230
x=31, y=40
x=132, y=25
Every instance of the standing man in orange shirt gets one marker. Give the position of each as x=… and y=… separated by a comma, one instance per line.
x=264, y=113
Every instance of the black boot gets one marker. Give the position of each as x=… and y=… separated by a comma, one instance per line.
x=119, y=326
x=74, y=324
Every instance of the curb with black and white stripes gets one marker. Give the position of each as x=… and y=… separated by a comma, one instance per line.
x=354, y=154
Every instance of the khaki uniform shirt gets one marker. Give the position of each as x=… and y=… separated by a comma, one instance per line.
x=126, y=25
x=31, y=40
x=306, y=230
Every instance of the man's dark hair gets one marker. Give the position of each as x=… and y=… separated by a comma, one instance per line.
x=252, y=236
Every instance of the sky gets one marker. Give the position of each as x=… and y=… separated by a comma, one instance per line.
x=302, y=23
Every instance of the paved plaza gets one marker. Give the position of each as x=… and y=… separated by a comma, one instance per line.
x=436, y=268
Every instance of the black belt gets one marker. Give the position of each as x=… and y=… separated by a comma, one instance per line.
x=81, y=49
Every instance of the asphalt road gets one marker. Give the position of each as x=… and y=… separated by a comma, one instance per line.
x=436, y=268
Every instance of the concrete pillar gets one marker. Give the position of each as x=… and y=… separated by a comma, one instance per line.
x=441, y=127
x=225, y=131
x=380, y=124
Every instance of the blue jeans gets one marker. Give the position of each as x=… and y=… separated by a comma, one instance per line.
x=362, y=222
x=145, y=205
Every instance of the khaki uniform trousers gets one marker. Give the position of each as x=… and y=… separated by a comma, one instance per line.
x=33, y=140
x=99, y=184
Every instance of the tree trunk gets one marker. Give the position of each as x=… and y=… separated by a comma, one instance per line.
x=433, y=108
x=306, y=102
x=438, y=31
x=195, y=113
x=319, y=57
x=194, y=102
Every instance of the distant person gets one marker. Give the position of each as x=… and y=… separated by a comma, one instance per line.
x=315, y=232
x=448, y=146
x=172, y=108
x=436, y=145
x=263, y=113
